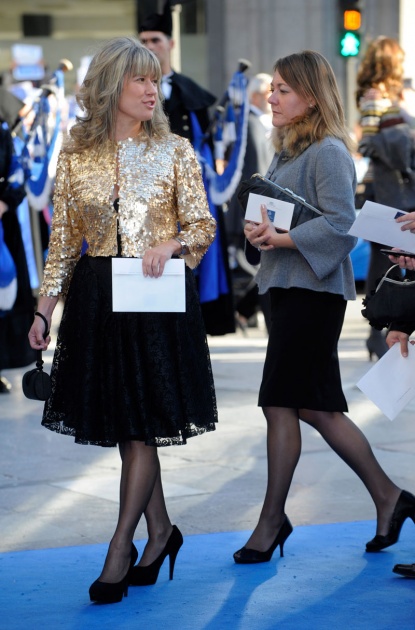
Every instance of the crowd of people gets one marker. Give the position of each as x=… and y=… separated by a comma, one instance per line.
x=381, y=102
x=15, y=351
x=129, y=185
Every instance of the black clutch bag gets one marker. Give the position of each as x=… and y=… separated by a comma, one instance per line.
x=260, y=185
x=393, y=300
x=36, y=383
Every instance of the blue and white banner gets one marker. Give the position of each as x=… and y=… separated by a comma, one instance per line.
x=231, y=129
x=44, y=145
x=211, y=270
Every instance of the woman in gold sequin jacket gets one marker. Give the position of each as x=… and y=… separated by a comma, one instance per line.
x=126, y=186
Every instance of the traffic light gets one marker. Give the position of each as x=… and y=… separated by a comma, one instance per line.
x=350, y=25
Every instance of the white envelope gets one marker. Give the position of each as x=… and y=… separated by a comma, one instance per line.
x=376, y=222
x=280, y=212
x=390, y=383
x=134, y=293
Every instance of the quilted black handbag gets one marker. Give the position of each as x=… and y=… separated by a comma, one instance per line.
x=393, y=300
x=36, y=383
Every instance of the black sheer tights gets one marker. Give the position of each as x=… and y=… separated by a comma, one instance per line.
x=284, y=447
x=140, y=491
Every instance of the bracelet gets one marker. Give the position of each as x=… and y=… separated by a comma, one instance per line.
x=185, y=249
x=45, y=321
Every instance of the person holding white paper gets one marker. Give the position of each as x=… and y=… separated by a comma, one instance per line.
x=386, y=139
x=139, y=380
x=399, y=332
x=309, y=275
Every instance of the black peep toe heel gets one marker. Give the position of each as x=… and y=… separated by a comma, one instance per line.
x=111, y=593
x=145, y=576
x=252, y=556
x=404, y=508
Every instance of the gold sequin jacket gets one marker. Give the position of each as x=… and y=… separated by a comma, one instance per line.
x=160, y=186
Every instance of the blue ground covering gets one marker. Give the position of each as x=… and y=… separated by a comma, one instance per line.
x=325, y=580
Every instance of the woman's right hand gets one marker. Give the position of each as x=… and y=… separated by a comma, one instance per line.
x=36, y=332
x=46, y=306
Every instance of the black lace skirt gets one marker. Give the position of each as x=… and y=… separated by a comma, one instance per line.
x=128, y=376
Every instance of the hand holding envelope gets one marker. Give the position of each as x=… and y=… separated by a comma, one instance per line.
x=280, y=212
x=390, y=383
x=407, y=221
x=133, y=292
x=377, y=223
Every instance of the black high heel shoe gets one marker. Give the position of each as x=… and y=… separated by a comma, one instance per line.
x=404, y=508
x=145, y=576
x=252, y=556
x=111, y=593
x=376, y=344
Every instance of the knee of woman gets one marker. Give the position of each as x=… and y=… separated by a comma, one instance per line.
x=134, y=447
x=280, y=414
x=316, y=418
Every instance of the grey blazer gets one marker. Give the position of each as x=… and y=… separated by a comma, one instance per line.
x=324, y=175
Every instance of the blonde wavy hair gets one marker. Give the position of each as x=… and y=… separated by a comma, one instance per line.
x=98, y=97
x=381, y=64
x=310, y=75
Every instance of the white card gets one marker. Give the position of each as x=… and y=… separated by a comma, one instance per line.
x=280, y=212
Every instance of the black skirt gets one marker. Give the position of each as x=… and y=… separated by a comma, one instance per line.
x=301, y=368
x=128, y=376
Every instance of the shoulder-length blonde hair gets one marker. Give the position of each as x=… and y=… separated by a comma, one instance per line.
x=310, y=75
x=382, y=63
x=98, y=97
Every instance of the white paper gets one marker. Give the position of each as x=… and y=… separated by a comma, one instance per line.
x=390, y=383
x=376, y=222
x=280, y=212
x=134, y=293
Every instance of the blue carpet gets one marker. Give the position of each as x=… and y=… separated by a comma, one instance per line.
x=325, y=580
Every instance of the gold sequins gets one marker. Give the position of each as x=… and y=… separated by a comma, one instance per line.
x=160, y=187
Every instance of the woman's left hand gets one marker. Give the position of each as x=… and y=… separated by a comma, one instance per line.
x=261, y=235
x=155, y=258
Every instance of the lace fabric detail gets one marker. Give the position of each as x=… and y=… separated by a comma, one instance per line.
x=128, y=376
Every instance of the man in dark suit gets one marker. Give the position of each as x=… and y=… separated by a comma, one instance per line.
x=258, y=155
x=182, y=95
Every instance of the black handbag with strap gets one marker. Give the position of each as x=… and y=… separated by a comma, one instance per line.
x=393, y=300
x=36, y=383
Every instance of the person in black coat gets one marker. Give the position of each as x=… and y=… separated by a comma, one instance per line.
x=15, y=350
x=399, y=332
x=182, y=95
x=258, y=155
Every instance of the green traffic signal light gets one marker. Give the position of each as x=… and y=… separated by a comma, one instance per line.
x=350, y=44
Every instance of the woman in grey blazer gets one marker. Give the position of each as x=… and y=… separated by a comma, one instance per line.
x=309, y=276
